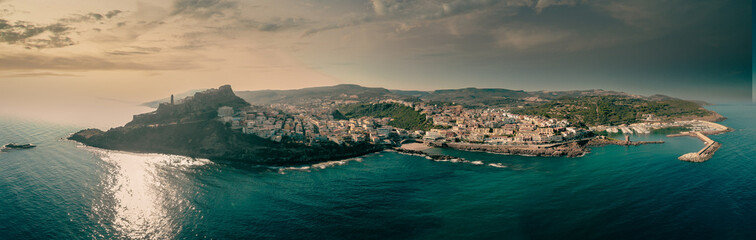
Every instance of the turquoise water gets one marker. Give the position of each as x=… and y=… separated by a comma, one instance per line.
x=62, y=190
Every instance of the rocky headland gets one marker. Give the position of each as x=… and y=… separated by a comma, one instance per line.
x=190, y=128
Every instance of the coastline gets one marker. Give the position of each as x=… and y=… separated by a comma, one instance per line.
x=273, y=155
x=576, y=148
x=196, y=127
x=572, y=149
x=213, y=140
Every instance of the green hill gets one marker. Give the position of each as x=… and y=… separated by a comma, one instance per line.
x=611, y=110
x=477, y=97
x=403, y=116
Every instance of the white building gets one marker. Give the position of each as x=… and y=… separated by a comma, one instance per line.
x=384, y=131
x=433, y=135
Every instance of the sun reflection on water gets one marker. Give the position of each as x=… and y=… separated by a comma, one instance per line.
x=143, y=194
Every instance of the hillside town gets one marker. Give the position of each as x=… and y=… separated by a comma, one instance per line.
x=354, y=126
x=313, y=125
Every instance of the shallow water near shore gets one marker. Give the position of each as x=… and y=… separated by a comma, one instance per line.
x=62, y=190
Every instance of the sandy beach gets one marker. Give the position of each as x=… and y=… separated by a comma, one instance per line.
x=415, y=146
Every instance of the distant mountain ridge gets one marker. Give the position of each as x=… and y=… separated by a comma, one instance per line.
x=413, y=93
x=465, y=96
x=337, y=92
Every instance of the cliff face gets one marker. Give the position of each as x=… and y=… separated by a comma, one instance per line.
x=190, y=129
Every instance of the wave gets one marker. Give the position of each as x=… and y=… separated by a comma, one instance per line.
x=452, y=160
x=497, y=165
x=322, y=165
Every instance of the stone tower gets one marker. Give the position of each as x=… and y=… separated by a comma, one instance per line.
x=171, y=99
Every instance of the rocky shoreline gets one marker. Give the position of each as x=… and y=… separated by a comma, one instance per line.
x=573, y=149
x=576, y=148
x=212, y=140
x=434, y=157
x=597, y=142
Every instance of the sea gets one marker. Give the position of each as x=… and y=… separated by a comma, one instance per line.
x=64, y=190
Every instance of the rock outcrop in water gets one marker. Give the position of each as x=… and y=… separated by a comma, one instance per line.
x=190, y=128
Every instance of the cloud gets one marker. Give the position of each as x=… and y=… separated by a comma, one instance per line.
x=90, y=17
x=76, y=63
x=112, y=13
x=436, y=9
x=542, y=4
x=134, y=50
x=38, y=74
x=54, y=35
x=527, y=38
x=35, y=36
x=349, y=23
x=380, y=7
x=464, y=6
x=7, y=11
x=409, y=13
x=433, y=9
x=204, y=9
x=631, y=14
x=271, y=25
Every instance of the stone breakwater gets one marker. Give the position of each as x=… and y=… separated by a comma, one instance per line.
x=705, y=153
x=710, y=147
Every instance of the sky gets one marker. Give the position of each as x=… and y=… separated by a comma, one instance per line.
x=90, y=54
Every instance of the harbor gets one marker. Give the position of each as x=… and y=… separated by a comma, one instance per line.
x=710, y=147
